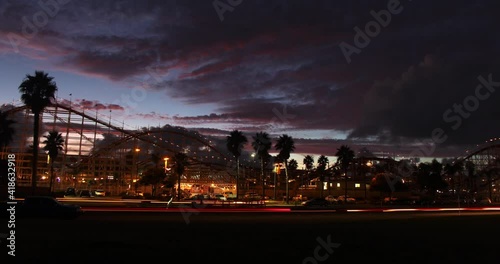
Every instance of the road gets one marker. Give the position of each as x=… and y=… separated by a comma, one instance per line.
x=261, y=237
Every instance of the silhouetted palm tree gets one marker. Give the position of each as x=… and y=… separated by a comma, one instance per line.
x=309, y=163
x=37, y=92
x=285, y=145
x=293, y=165
x=153, y=177
x=321, y=169
x=292, y=168
x=261, y=145
x=53, y=144
x=345, y=156
x=470, y=167
x=235, y=143
x=180, y=162
x=6, y=130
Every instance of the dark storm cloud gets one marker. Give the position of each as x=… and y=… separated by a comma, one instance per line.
x=153, y=116
x=444, y=96
x=268, y=55
x=94, y=105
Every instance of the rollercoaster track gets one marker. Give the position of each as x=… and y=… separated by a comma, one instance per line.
x=131, y=135
x=482, y=149
x=140, y=136
x=491, y=148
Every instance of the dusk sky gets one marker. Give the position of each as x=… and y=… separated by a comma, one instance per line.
x=310, y=69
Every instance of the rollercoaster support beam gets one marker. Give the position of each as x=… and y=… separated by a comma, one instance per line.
x=80, y=144
x=55, y=118
x=95, y=137
x=73, y=123
x=67, y=137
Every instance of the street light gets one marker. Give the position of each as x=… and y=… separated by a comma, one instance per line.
x=137, y=150
x=277, y=172
x=166, y=164
x=369, y=164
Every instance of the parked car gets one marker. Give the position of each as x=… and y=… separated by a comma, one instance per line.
x=132, y=195
x=230, y=195
x=331, y=199
x=100, y=193
x=85, y=193
x=196, y=197
x=45, y=207
x=342, y=199
x=70, y=192
x=252, y=196
x=316, y=202
x=220, y=197
x=299, y=198
x=390, y=200
x=484, y=201
x=399, y=201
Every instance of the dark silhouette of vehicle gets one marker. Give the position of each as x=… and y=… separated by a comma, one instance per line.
x=252, y=196
x=85, y=193
x=44, y=207
x=316, y=202
x=331, y=199
x=342, y=199
x=70, y=192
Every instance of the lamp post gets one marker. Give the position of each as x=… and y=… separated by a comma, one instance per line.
x=327, y=175
x=166, y=164
x=136, y=177
x=276, y=173
x=369, y=165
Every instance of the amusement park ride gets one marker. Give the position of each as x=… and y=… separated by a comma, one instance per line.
x=98, y=151
x=101, y=152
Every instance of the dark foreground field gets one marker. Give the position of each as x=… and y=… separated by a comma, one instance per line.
x=101, y=237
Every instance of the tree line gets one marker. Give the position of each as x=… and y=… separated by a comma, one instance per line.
x=38, y=92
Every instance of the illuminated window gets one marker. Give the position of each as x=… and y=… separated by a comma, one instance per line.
x=357, y=185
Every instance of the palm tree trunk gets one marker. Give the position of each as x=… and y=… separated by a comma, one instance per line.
x=237, y=178
x=345, y=191
x=34, y=165
x=51, y=175
x=262, y=177
x=320, y=187
x=179, y=187
x=286, y=184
